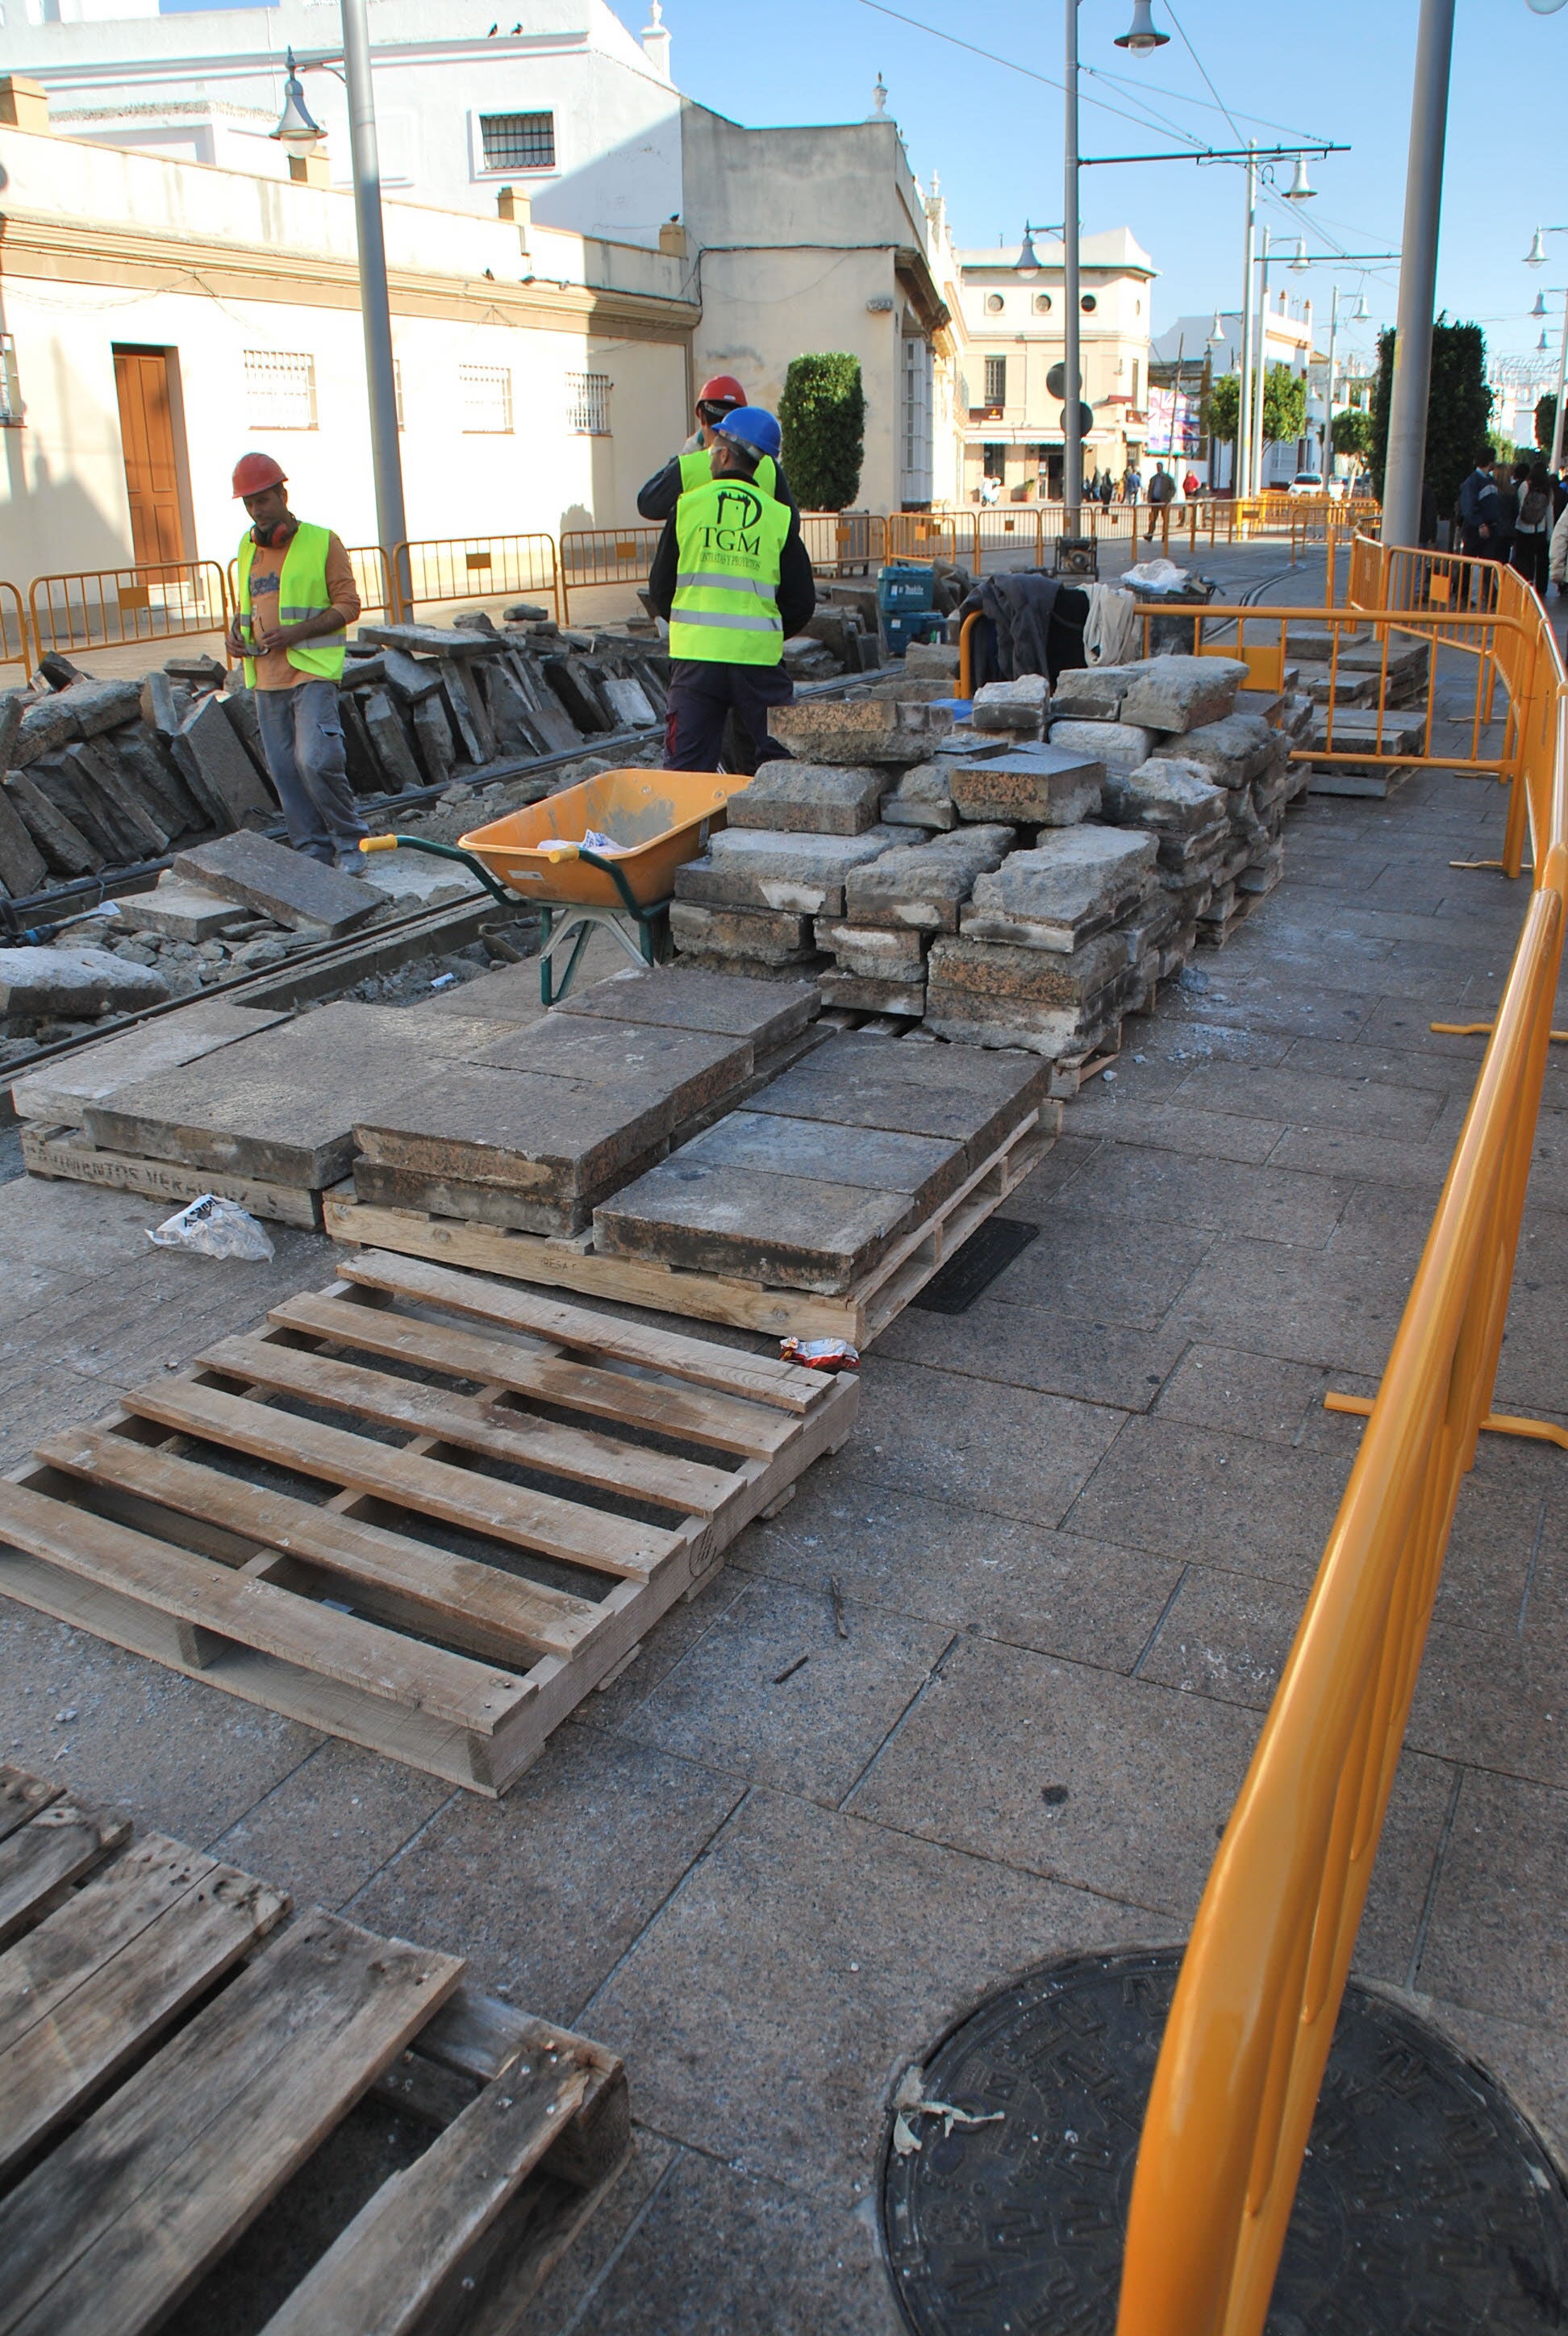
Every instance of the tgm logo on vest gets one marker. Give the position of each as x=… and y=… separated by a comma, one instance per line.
x=739, y=510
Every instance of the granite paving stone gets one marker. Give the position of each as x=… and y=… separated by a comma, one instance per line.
x=331, y=1822
x=1265, y=1203
x=1242, y=1393
x=816, y=798
x=1307, y=1306
x=1496, y=1943
x=1149, y=1774
x=1069, y=1268
x=783, y=2062
x=1220, y=1500
x=1030, y=1346
x=1003, y=1449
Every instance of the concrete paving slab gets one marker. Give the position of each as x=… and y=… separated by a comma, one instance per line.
x=62, y=1090
x=1218, y=1500
x=1496, y=1943
x=289, y=886
x=1079, y=1268
x=1005, y=1450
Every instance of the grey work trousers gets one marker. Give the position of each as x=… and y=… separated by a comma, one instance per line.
x=302, y=738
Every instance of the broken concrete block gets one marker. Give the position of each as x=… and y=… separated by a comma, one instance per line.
x=812, y=798
x=923, y=798
x=47, y=727
x=757, y=867
x=470, y=717
x=99, y=705
x=754, y=936
x=1233, y=751
x=180, y=912
x=408, y=679
x=160, y=705
x=141, y=834
x=77, y=801
x=860, y=730
x=923, y=885
x=939, y=659
x=1123, y=743
x=432, y=737
x=1180, y=693
x=66, y=850
x=1039, y=786
x=878, y=952
x=202, y=671
x=509, y=711
x=389, y=740
x=430, y=640
x=62, y=1091
x=573, y=682
x=216, y=768
x=151, y=770
x=72, y=985
x=1076, y=882
x=282, y=884
x=1168, y=797
x=14, y=704
x=1091, y=692
x=862, y=993
x=23, y=867
x=1018, y=705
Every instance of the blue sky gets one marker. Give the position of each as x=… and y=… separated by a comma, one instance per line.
x=1337, y=70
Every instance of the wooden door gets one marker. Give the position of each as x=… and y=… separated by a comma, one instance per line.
x=147, y=435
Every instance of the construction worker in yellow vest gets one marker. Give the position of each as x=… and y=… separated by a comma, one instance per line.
x=296, y=596
x=733, y=578
x=717, y=400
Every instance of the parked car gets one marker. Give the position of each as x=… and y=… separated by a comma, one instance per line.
x=1306, y=482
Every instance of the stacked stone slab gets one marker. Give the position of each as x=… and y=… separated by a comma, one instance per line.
x=1249, y=761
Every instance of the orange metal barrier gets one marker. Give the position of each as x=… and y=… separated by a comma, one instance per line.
x=15, y=642
x=474, y=568
x=604, y=555
x=110, y=608
x=844, y=544
x=1264, y=1971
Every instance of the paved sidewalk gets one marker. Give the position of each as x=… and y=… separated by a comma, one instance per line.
x=1073, y=1531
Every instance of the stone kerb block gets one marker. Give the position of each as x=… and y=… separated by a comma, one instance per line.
x=861, y=730
x=756, y=868
x=1018, y=705
x=1233, y=751
x=923, y=798
x=1075, y=883
x=1032, y=787
x=1091, y=693
x=38, y=984
x=932, y=658
x=811, y=798
x=1168, y=797
x=1182, y=693
x=923, y=886
x=875, y=952
x=991, y=994
x=1116, y=745
x=766, y=937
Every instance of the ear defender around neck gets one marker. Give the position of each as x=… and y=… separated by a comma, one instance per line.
x=274, y=537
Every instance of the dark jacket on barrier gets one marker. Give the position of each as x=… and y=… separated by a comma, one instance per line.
x=1036, y=624
x=662, y=493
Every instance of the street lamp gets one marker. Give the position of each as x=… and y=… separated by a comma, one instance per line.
x=1299, y=192
x=1028, y=263
x=1540, y=308
x=1140, y=37
x=1217, y=333
x=1300, y=265
x=1536, y=257
x=300, y=134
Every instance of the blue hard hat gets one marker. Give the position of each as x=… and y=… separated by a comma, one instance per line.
x=753, y=427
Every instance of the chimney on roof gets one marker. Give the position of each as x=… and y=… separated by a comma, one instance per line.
x=654, y=37
x=24, y=105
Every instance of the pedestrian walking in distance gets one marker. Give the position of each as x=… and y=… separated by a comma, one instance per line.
x=1162, y=491
x=1533, y=524
x=296, y=596
x=732, y=576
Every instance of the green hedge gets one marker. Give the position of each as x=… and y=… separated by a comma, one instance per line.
x=823, y=414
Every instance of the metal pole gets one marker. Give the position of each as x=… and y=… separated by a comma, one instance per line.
x=380, y=383
x=1407, y=460
x=1072, y=437
x=1244, y=398
x=1556, y=462
x=1260, y=371
x=1328, y=395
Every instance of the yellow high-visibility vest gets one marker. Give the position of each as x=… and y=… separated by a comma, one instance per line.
x=301, y=592
x=729, y=540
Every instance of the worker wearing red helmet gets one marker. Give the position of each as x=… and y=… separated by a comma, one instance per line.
x=717, y=400
x=296, y=596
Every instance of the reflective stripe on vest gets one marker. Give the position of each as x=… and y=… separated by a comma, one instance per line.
x=301, y=592
x=697, y=470
x=729, y=539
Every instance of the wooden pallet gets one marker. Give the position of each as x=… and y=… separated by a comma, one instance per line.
x=173, y=2061
x=428, y=1537
x=860, y=1316
x=65, y=1153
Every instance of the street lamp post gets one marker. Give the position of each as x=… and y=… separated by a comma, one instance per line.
x=1407, y=456
x=1073, y=384
x=1329, y=393
x=1244, y=398
x=1259, y=372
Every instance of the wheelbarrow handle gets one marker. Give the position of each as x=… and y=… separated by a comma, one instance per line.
x=442, y=851
x=566, y=850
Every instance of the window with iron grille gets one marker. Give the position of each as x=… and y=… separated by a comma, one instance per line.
x=10, y=387
x=486, y=394
x=996, y=381
x=518, y=142
x=588, y=403
x=280, y=390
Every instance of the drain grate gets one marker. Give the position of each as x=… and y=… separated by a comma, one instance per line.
x=1426, y=2201
x=988, y=1250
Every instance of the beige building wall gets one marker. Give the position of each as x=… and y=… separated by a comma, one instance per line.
x=251, y=284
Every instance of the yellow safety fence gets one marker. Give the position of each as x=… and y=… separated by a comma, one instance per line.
x=443, y=568
x=1264, y=1971
x=14, y=638
x=372, y=579
x=114, y=607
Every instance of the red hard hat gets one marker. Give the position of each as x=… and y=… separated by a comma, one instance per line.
x=722, y=390
x=253, y=472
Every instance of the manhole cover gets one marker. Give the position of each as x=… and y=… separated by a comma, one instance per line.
x=1426, y=2204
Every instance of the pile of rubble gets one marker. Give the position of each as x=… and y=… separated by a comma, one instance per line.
x=97, y=776
x=1023, y=879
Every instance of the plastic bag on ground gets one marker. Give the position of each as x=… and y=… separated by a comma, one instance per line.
x=213, y=1227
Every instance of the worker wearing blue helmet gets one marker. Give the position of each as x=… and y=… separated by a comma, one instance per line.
x=733, y=578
